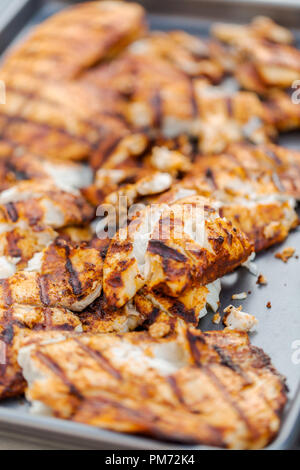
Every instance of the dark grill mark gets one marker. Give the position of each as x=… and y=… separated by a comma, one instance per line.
x=157, y=108
x=229, y=106
x=157, y=247
x=227, y=397
x=54, y=367
x=12, y=242
x=7, y=334
x=115, y=281
x=178, y=309
x=228, y=362
x=18, y=174
x=108, y=151
x=43, y=289
x=48, y=318
x=45, y=128
x=74, y=280
x=152, y=317
x=174, y=386
x=194, y=104
x=192, y=340
x=209, y=175
x=64, y=327
x=276, y=180
x=270, y=153
x=100, y=359
x=7, y=297
x=12, y=211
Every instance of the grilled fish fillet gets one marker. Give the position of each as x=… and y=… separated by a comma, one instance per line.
x=162, y=98
x=16, y=166
x=101, y=317
x=17, y=323
x=150, y=310
x=67, y=121
x=48, y=110
x=281, y=111
x=171, y=249
x=254, y=188
x=62, y=275
x=190, y=54
x=30, y=203
x=267, y=58
x=225, y=117
x=139, y=158
x=157, y=308
x=18, y=245
x=211, y=388
x=261, y=27
x=265, y=220
x=77, y=38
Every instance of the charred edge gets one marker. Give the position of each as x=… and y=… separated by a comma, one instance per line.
x=54, y=367
x=100, y=359
x=178, y=309
x=16, y=385
x=12, y=211
x=158, y=247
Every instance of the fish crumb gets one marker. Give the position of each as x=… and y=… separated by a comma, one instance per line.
x=261, y=280
x=159, y=330
x=240, y=296
x=216, y=318
x=269, y=305
x=286, y=254
x=235, y=319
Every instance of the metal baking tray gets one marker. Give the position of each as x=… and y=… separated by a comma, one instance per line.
x=279, y=327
